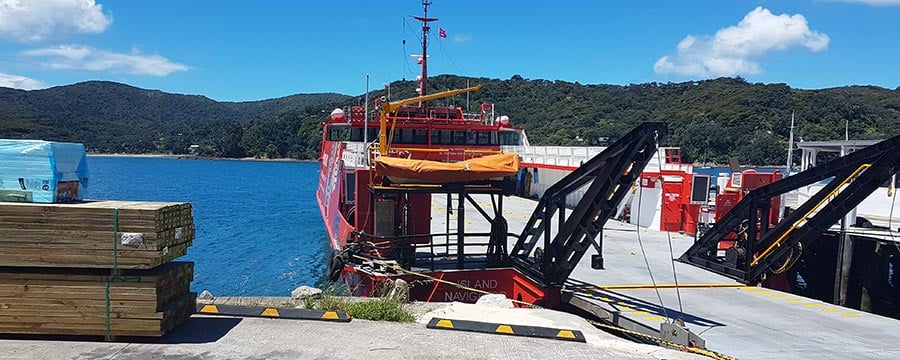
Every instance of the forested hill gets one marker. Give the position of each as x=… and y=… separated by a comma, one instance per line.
x=111, y=117
x=711, y=119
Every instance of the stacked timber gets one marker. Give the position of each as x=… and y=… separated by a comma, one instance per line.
x=94, y=234
x=95, y=268
x=59, y=301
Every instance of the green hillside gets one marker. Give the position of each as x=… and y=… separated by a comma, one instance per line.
x=712, y=120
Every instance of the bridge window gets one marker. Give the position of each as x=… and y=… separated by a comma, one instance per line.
x=338, y=133
x=510, y=138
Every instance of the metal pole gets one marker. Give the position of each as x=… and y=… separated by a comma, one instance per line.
x=790, y=146
x=366, y=121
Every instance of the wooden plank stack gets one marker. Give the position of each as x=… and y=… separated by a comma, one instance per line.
x=60, y=301
x=81, y=234
x=95, y=268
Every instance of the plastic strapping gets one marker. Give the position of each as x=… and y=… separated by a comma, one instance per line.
x=115, y=269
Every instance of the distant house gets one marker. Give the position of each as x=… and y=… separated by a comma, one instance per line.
x=193, y=148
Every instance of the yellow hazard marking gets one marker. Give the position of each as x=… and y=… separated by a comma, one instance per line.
x=794, y=300
x=763, y=292
x=654, y=318
x=270, y=312
x=589, y=287
x=504, y=329
x=778, y=296
x=589, y=295
x=330, y=315
x=605, y=299
x=831, y=309
x=669, y=286
x=566, y=334
x=812, y=305
x=850, y=314
x=210, y=309
x=639, y=313
x=748, y=288
x=444, y=324
x=622, y=303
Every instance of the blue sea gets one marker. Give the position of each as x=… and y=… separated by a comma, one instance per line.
x=258, y=227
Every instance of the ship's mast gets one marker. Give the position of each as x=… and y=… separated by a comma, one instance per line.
x=425, y=29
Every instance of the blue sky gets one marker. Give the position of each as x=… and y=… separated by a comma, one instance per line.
x=250, y=50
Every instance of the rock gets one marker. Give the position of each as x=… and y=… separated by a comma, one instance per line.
x=304, y=292
x=495, y=300
x=400, y=290
x=206, y=295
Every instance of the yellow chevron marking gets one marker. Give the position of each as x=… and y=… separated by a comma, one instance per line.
x=270, y=312
x=210, y=309
x=566, y=334
x=444, y=324
x=330, y=315
x=504, y=329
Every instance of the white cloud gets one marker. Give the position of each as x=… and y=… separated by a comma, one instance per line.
x=873, y=2
x=19, y=82
x=462, y=38
x=78, y=57
x=735, y=49
x=37, y=20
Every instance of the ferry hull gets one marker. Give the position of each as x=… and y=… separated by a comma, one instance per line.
x=513, y=284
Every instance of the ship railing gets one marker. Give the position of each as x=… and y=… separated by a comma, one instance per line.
x=441, y=250
x=572, y=156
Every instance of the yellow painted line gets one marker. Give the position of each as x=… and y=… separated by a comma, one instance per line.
x=639, y=313
x=778, y=296
x=850, y=314
x=831, y=309
x=669, y=286
x=588, y=294
x=812, y=305
x=504, y=329
x=330, y=315
x=794, y=300
x=762, y=292
x=589, y=287
x=565, y=334
x=605, y=299
x=210, y=309
x=748, y=288
x=655, y=318
x=444, y=323
x=270, y=312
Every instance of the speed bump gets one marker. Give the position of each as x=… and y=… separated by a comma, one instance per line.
x=506, y=329
x=269, y=312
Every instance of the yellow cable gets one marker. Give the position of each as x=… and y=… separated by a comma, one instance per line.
x=805, y=217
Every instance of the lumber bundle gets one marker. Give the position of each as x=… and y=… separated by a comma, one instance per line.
x=94, y=234
x=59, y=301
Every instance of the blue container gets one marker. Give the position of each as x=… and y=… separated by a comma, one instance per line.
x=42, y=171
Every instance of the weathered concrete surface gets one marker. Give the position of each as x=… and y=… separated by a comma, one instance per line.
x=256, y=338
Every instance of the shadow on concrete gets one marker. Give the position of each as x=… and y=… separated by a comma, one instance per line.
x=196, y=330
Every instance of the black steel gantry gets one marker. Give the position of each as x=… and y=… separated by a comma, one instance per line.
x=853, y=178
x=607, y=177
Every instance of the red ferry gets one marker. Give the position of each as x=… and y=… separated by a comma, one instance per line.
x=378, y=180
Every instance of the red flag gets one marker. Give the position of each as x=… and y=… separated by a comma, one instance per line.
x=442, y=33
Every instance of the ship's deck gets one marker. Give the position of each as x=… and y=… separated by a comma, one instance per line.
x=745, y=322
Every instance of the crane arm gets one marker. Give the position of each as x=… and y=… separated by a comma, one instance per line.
x=392, y=106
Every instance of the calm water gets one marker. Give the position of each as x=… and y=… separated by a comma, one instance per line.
x=259, y=231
